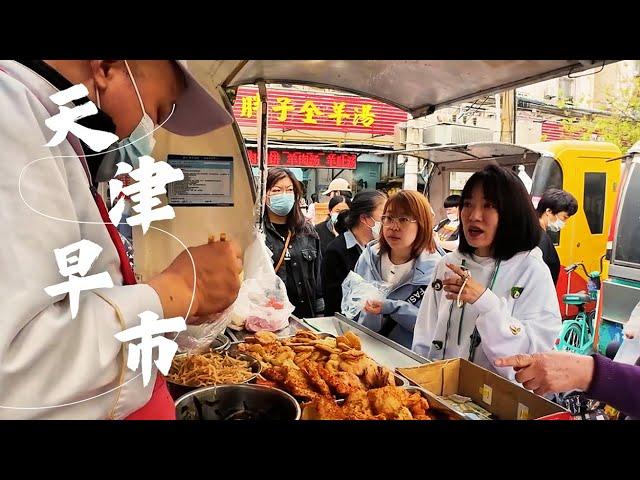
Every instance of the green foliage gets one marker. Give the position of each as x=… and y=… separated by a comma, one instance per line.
x=621, y=127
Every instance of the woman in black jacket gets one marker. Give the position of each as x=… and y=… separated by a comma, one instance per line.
x=326, y=230
x=294, y=242
x=357, y=227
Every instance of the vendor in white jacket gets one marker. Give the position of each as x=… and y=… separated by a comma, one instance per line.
x=493, y=297
x=52, y=365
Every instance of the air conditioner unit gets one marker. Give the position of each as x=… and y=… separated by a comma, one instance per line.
x=400, y=137
x=447, y=133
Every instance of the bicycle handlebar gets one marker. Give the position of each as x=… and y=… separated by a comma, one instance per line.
x=574, y=266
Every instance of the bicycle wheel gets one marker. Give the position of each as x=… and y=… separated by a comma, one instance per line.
x=571, y=339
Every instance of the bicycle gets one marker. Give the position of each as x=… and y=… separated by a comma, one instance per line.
x=577, y=335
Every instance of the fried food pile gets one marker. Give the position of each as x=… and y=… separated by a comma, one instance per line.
x=333, y=378
x=310, y=367
x=386, y=403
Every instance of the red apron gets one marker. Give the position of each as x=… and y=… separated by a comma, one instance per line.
x=160, y=406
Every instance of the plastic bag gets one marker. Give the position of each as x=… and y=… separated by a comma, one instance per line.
x=197, y=338
x=262, y=303
x=356, y=291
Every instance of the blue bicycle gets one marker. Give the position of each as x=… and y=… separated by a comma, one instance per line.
x=577, y=335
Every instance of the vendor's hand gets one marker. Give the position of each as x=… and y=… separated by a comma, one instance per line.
x=217, y=265
x=374, y=307
x=472, y=290
x=551, y=371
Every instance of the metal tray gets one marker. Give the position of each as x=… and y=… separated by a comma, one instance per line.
x=384, y=351
x=178, y=389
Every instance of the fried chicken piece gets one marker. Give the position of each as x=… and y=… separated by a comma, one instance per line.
x=356, y=407
x=323, y=408
x=387, y=400
x=311, y=371
x=265, y=338
x=282, y=356
x=417, y=405
x=423, y=417
x=333, y=363
x=297, y=385
x=342, y=383
x=275, y=374
x=301, y=357
x=402, y=414
x=254, y=349
x=266, y=383
x=306, y=334
x=353, y=340
x=378, y=377
x=355, y=366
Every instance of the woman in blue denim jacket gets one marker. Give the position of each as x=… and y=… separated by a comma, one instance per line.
x=405, y=257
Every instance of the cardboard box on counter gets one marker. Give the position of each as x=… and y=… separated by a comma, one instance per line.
x=490, y=395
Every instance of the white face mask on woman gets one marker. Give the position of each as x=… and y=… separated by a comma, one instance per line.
x=376, y=229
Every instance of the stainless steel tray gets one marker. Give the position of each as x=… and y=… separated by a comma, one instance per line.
x=384, y=351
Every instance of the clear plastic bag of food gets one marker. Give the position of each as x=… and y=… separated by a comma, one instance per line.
x=262, y=303
x=356, y=291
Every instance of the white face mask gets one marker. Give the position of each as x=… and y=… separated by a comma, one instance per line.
x=138, y=144
x=452, y=217
x=559, y=224
x=555, y=226
x=376, y=229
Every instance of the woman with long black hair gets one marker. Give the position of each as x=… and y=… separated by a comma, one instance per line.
x=294, y=242
x=357, y=226
x=494, y=296
x=327, y=229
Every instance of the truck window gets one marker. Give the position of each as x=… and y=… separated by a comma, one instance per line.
x=627, y=248
x=546, y=175
x=595, y=185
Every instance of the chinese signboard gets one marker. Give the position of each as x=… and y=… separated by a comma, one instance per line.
x=305, y=110
x=305, y=159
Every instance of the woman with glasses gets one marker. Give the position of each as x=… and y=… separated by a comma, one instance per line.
x=295, y=244
x=405, y=257
x=357, y=227
x=494, y=296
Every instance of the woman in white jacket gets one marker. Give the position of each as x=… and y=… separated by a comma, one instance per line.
x=493, y=297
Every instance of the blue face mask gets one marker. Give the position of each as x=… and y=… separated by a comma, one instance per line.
x=138, y=144
x=334, y=217
x=282, y=203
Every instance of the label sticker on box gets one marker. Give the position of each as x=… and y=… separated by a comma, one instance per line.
x=523, y=412
x=486, y=392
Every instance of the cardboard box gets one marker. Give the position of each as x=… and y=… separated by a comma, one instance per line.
x=492, y=396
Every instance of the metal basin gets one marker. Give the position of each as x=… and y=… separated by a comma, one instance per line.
x=179, y=389
x=237, y=402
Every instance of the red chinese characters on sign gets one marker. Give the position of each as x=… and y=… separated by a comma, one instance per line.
x=305, y=159
x=305, y=110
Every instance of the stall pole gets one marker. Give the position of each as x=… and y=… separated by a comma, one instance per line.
x=262, y=142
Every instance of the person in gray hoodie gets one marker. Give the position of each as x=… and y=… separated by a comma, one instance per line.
x=405, y=257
